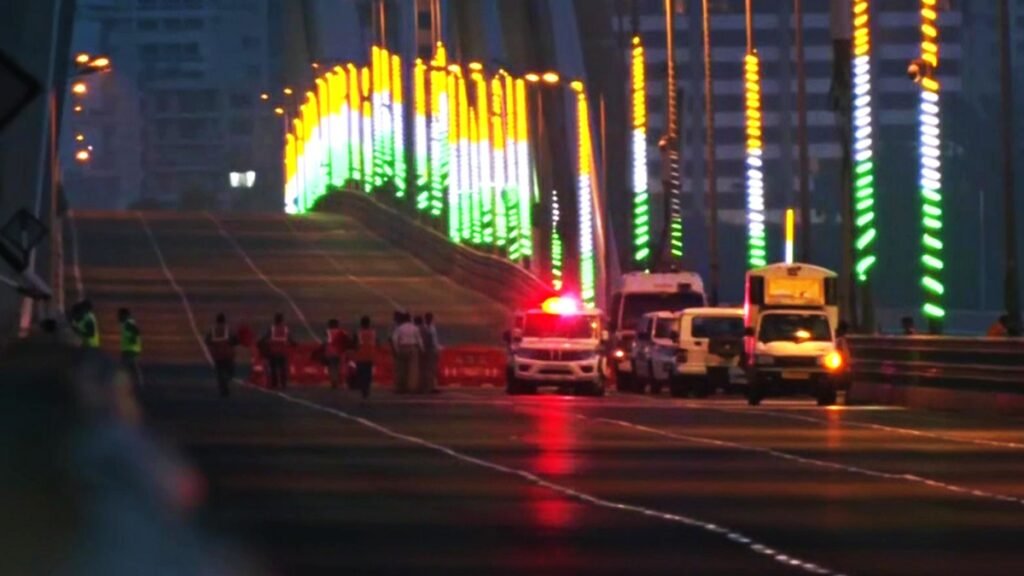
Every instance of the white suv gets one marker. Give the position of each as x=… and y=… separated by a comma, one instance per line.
x=654, y=351
x=710, y=344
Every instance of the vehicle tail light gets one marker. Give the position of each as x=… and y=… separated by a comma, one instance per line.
x=619, y=354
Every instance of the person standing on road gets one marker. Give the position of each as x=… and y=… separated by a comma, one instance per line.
x=431, y=353
x=277, y=343
x=366, y=352
x=335, y=342
x=131, y=347
x=408, y=345
x=83, y=322
x=221, y=343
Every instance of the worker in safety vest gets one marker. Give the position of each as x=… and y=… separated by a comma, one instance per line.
x=276, y=345
x=131, y=347
x=335, y=343
x=84, y=324
x=221, y=341
x=366, y=352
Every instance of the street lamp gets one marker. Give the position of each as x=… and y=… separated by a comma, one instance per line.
x=79, y=88
x=83, y=156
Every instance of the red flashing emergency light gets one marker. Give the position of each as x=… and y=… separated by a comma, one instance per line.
x=560, y=305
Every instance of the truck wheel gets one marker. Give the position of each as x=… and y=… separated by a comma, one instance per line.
x=704, y=388
x=826, y=396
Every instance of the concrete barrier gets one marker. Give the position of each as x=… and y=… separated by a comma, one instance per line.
x=490, y=275
x=978, y=375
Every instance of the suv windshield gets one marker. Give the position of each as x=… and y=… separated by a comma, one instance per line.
x=557, y=326
x=636, y=305
x=795, y=328
x=717, y=327
x=663, y=327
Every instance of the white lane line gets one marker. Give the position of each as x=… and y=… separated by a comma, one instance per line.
x=76, y=269
x=732, y=535
x=903, y=476
x=898, y=476
x=893, y=429
x=176, y=287
x=339, y=267
x=270, y=283
x=758, y=411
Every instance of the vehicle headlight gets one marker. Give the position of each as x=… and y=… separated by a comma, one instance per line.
x=832, y=361
x=764, y=360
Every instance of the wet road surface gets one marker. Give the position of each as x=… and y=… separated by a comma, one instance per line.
x=470, y=481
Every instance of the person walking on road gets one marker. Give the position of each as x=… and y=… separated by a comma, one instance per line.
x=335, y=343
x=408, y=345
x=366, y=352
x=431, y=354
x=221, y=343
x=84, y=324
x=276, y=344
x=131, y=347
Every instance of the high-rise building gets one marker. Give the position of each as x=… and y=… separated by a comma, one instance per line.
x=896, y=41
x=181, y=110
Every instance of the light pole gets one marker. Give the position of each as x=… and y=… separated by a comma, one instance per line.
x=1011, y=294
x=801, y=115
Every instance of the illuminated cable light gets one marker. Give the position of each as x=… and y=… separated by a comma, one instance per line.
x=485, y=189
x=757, y=248
x=475, y=182
x=397, y=97
x=931, y=169
x=864, y=168
x=467, y=171
x=367, y=136
x=498, y=166
x=641, y=196
x=790, y=234
x=440, y=122
x=355, y=122
x=291, y=195
x=556, y=243
x=524, y=182
x=512, y=196
x=455, y=230
x=337, y=82
x=421, y=146
x=323, y=125
x=585, y=193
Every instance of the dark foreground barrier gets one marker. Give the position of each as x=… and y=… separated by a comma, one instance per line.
x=939, y=372
x=487, y=274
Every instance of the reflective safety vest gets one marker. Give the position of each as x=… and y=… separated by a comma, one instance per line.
x=89, y=341
x=367, y=346
x=278, y=340
x=333, y=346
x=220, y=344
x=131, y=340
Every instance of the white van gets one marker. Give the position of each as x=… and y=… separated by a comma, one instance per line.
x=708, y=352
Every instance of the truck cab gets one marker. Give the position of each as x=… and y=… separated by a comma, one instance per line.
x=639, y=293
x=557, y=345
x=791, y=315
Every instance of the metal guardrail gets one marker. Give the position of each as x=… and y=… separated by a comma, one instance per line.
x=487, y=274
x=986, y=365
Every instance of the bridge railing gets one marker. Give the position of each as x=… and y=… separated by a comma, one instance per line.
x=944, y=372
x=494, y=277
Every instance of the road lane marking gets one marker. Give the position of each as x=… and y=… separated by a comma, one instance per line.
x=76, y=269
x=895, y=429
x=176, y=287
x=717, y=529
x=270, y=283
x=759, y=411
x=898, y=476
x=338, y=266
x=731, y=535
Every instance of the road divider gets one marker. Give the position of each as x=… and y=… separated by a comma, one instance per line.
x=984, y=375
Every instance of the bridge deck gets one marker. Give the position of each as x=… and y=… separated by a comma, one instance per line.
x=472, y=482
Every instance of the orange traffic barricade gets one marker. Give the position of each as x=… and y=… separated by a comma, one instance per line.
x=472, y=366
